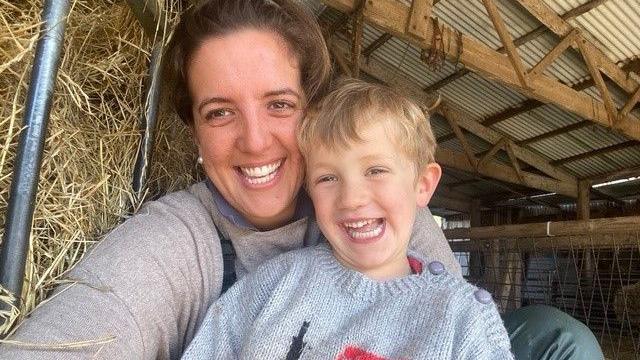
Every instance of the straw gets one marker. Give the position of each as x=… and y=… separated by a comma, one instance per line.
x=85, y=181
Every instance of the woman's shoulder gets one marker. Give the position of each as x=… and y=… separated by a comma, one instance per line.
x=194, y=197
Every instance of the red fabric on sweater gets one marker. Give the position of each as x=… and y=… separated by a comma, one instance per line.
x=355, y=353
x=415, y=265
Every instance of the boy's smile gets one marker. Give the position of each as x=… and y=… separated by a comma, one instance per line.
x=365, y=197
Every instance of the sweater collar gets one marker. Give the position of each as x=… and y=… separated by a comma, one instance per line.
x=360, y=286
x=304, y=208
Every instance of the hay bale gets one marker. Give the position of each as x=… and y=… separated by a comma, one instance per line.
x=85, y=181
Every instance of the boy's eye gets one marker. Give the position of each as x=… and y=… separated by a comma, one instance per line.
x=376, y=171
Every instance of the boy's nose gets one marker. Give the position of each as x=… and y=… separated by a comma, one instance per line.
x=353, y=195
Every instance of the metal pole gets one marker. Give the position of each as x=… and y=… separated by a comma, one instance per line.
x=147, y=13
x=15, y=243
x=148, y=121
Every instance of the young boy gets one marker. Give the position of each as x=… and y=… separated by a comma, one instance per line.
x=370, y=164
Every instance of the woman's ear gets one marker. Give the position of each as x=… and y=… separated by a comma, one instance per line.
x=427, y=181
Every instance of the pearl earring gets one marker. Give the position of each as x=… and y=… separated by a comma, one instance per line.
x=200, y=161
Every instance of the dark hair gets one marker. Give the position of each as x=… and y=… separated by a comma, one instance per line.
x=214, y=18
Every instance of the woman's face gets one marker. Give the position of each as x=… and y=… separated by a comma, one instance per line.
x=247, y=99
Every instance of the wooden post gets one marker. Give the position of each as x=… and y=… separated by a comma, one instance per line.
x=583, y=213
x=475, y=258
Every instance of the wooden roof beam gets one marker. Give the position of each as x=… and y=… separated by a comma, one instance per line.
x=582, y=9
x=493, y=137
x=377, y=43
x=392, y=16
x=602, y=151
x=506, y=173
x=562, y=28
x=507, y=41
x=522, y=108
x=556, y=132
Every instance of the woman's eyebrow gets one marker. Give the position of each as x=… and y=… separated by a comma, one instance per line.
x=285, y=91
x=212, y=100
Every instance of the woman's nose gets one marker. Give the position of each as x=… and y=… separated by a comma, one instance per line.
x=255, y=136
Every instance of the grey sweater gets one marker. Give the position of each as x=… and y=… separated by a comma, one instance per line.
x=146, y=287
x=305, y=305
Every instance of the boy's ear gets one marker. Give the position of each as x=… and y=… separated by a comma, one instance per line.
x=428, y=179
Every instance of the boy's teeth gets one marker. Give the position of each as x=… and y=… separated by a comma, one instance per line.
x=359, y=224
x=366, y=234
x=261, y=172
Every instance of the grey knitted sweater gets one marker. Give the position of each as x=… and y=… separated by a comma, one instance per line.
x=305, y=305
x=142, y=292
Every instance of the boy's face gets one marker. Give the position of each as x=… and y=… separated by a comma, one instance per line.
x=365, y=199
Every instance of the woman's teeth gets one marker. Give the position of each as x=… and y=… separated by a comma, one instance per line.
x=261, y=174
x=364, y=229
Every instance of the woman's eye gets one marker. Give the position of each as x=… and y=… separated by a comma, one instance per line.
x=282, y=108
x=326, y=178
x=216, y=116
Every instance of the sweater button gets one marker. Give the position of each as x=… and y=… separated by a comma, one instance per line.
x=483, y=296
x=436, y=267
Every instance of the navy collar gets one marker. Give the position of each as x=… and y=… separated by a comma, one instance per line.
x=304, y=208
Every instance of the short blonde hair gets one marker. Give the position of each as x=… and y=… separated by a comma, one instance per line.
x=354, y=104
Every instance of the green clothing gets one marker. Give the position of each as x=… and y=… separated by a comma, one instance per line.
x=540, y=332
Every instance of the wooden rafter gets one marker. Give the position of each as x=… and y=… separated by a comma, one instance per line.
x=522, y=40
x=561, y=27
x=419, y=16
x=630, y=103
x=514, y=161
x=463, y=140
x=502, y=172
x=392, y=16
x=521, y=108
x=449, y=79
x=602, y=151
x=554, y=53
x=494, y=149
x=594, y=70
x=556, y=132
x=507, y=41
x=376, y=44
x=524, y=107
x=356, y=42
x=492, y=137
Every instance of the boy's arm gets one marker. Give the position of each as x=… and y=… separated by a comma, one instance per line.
x=481, y=332
x=429, y=241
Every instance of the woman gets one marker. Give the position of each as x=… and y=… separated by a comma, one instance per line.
x=244, y=71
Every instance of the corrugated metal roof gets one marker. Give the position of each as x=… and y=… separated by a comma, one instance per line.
x=614, y=28
x=613, y=25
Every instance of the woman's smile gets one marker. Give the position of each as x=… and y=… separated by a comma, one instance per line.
x=260, y=176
